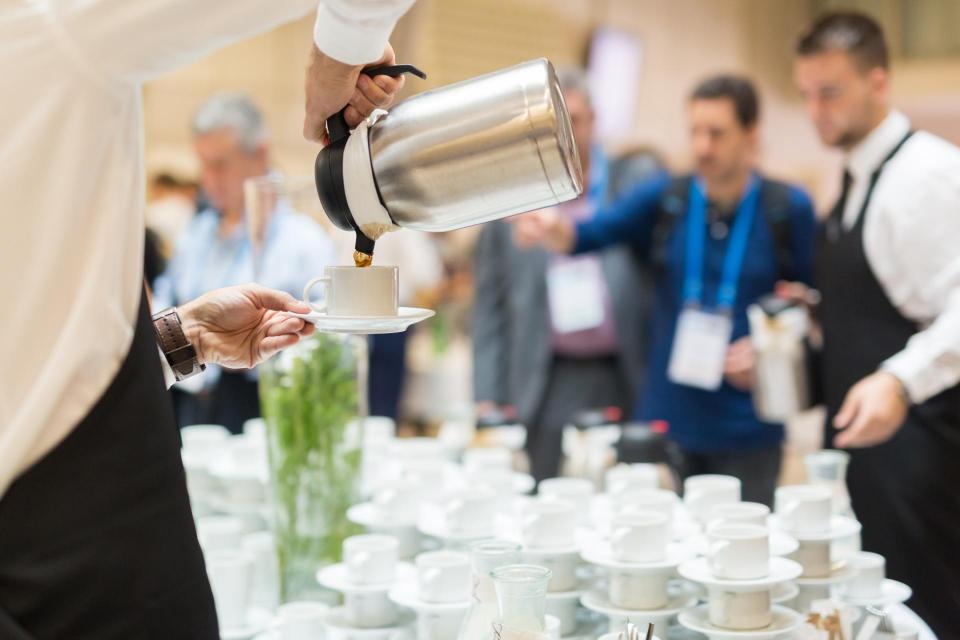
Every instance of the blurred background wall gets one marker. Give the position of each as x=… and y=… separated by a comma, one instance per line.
x=677, y=42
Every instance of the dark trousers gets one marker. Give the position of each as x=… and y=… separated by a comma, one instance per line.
x=574, y=385
x=388, y=367
x=757, y=470
x=96, y=539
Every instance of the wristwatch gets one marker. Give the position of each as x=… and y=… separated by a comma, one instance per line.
x=180, y=354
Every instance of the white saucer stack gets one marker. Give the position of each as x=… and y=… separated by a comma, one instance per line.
x=740, y=576
x=370, y=569
x=805, y=512
x=439, y=592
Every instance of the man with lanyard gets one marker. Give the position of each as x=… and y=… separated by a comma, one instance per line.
x=557, y=335
x=888, y=269
x=716, y=241
x=96, y=534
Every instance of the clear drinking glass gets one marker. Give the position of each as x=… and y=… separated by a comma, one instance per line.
x=522, y=598
x=829, y=468
x=486, y=556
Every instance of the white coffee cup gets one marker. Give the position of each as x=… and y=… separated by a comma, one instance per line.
x=640, y=536
x=659, y=500
x=549, y=523
x=370, y=558
x=444, y=576
x=265, y=574
x=553, y=625
x=399, y=502
x=500, y=481
x=704, y=492
x=564, y=611
x=740, y=611
x=433, y=625
x=301, y=620
x=369, y=610
x=220, y=533
x=738, y=551
x=639, y=591
x=871, y=572
x=577, y=491
x=804, y=508
x=742, y=512
x=353, y=291
x=563, y=568
x=229, y=573
x=814, y=557
x=623, y=477
x=483, y=458
x=470, y=510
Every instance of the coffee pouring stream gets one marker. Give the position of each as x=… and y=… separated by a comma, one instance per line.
x=463, y=154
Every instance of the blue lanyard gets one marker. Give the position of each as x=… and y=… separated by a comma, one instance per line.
x=736, y=248
x=599, y=176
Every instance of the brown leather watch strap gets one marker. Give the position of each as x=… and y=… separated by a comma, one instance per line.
x=180, y=354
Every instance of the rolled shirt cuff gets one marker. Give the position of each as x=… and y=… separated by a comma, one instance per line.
x=349, y=41
x=921, y=379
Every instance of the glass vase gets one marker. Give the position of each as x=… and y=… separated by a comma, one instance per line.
x=313, y=399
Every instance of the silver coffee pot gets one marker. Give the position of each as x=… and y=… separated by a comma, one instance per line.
x=463, y=154
x=778, y=331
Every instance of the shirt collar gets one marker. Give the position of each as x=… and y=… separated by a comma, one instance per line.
x=867, y=155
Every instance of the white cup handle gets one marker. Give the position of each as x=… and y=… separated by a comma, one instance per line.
x=789, y=510
x=359, y=560
x=429, y=577
x=322, y=308
x=716, y=547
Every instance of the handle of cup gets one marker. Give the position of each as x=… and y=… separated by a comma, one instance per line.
x=429, y=576
x=359, y=560
x=716, y=547
x=322, y=308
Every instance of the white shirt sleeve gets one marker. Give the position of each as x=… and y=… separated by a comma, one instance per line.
x=356, y=31
x=139, y=39
x=914, y=250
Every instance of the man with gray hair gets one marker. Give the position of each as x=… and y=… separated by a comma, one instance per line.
x=215, y=250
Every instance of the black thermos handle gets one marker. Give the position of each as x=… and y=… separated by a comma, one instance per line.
x=337, y=123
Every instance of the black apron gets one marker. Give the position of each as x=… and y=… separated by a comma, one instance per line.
x=97, y=539
x=906, y=492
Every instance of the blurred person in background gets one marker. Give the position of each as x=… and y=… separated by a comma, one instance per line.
x=552, y=335
x=888, y=269
x=171, y=204
x=214, y=251
x=716, y=241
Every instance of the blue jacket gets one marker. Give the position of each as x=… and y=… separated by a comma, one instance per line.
x=651, y=217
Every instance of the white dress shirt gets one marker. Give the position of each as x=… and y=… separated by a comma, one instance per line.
x=71, y=183
x=911, y=238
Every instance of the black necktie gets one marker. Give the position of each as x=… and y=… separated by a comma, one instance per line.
x=835, y=221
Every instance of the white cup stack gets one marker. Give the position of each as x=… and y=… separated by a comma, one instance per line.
x=739, y=575
x=548, y=527
x=394, y=510
x=370, y=568
x=870, y=585
x=439, y=593
x=704, y=492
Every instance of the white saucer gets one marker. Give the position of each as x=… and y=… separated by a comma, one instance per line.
x=600, y=554
x=781, y=570
x=364, y=325
x=779, y=593
x=892, y=592
x=407, y=594
x=257, y=622
x=431, y=523
x=399, y=631
x=781, y=544
x=785, y=621
x=840, y=527
x=841, y=574
x=335, y=577
x=676, y=602
x=368, y=515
